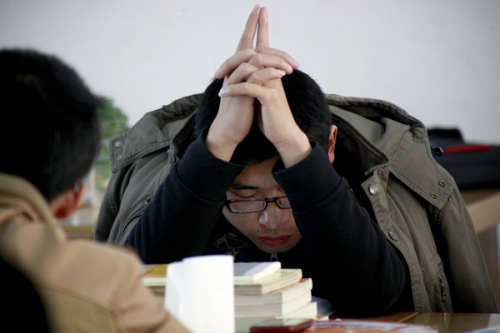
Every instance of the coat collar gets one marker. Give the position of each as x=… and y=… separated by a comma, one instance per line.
x=19, y=197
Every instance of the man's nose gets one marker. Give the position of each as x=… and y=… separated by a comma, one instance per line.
x=273, y=216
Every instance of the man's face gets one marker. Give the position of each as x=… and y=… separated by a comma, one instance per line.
x=272, y=230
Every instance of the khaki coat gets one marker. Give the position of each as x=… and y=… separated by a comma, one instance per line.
x=85, y=287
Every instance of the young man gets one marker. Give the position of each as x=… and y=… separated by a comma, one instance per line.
x=84, y=287
x=344, y=188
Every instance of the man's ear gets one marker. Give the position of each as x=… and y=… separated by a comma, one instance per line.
x=67, y=203
x=331, y=143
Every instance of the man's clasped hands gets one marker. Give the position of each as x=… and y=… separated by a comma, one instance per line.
x=252, y=91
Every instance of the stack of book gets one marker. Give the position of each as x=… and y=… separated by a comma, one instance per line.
x=154, y=278
x=265, y=291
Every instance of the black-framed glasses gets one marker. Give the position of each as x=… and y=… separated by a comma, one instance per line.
x=255, y=205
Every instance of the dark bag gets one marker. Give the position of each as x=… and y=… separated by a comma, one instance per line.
x=474, y=166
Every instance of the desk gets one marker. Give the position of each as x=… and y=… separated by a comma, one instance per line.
x=444, y=322
x=399, y=317
x=457, y=322
x=80, y=232
x=483, y=208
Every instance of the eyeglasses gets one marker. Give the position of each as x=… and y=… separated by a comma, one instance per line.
x=255, y=205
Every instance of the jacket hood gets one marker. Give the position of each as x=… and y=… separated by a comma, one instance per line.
x=373, y=134
x=154, y=131
x=377, y=128
x=371, y=119
x=381, y=135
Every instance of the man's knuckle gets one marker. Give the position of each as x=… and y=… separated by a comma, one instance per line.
x=257, y=60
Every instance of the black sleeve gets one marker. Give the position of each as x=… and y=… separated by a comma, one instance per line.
x=360, y=270
x=178, y=221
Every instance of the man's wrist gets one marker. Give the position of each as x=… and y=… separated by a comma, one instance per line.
x=220, y=148
x=295, y=151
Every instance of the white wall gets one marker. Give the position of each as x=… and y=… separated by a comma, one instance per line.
x=439, y=60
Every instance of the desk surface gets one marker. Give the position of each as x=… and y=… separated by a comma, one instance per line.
x=457, y=322
x=444, y=322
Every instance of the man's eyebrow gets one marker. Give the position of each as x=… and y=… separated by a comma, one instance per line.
x=240, y=186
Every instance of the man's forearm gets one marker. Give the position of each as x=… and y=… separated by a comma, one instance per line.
x=349, y=250
x=178, y=221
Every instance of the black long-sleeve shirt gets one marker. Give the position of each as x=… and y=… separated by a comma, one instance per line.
x=342, y=249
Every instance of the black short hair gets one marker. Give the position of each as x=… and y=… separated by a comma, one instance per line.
x=307, y=103
x=49, y=133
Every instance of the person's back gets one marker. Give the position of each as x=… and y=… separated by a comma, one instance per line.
x=84, y=287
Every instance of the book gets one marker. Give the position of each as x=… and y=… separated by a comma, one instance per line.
x=277, y=296
x=282, y=325
x=155, y=278
x=155, y=274
x=277, y=280
x=253, y=271
x=369, y=326
x=308, y=311
x=273, y=309
x=243, y=272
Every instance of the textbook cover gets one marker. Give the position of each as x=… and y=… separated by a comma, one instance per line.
x=277, y=280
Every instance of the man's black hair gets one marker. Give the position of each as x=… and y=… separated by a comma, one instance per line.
x=307, y=103
x=49, y=133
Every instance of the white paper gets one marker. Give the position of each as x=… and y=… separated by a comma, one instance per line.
x=201, y=293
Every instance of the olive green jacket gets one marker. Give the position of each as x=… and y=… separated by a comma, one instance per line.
x=381, y=150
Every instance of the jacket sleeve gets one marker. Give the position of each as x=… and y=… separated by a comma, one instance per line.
x=106, y=216
x=470, y=285
x=136, y=308
x=186, y=207
x=361, y=271
x=127, y=195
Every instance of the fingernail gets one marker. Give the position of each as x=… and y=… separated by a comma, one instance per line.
x=222, y=92
x=281, y=72
x=217, y=73
x=255, y=8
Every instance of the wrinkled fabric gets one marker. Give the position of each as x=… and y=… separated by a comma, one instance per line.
x=85, y=287
x=384, y=154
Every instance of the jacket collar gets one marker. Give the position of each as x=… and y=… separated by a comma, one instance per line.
x=19, y=197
